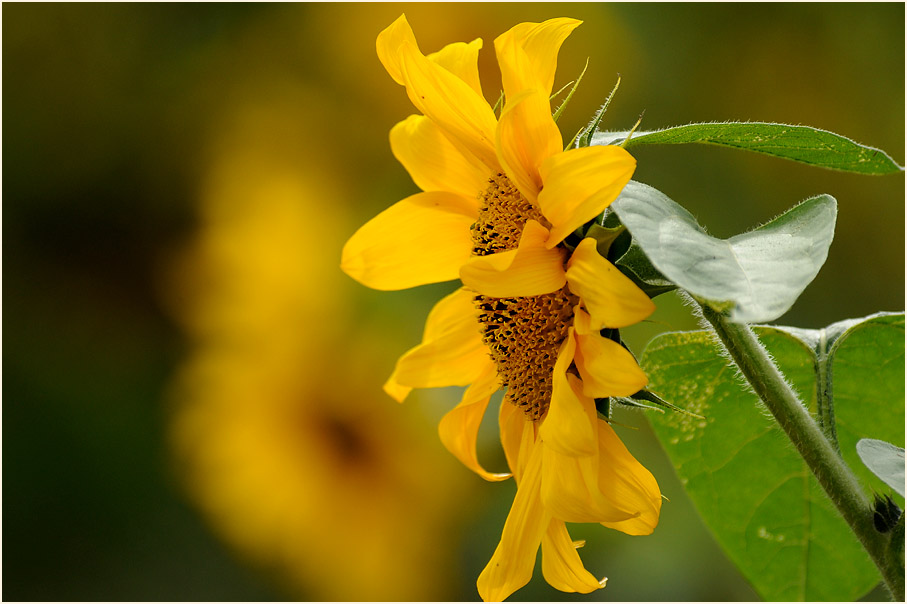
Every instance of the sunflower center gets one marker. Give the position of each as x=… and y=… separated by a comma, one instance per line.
x=523, y=334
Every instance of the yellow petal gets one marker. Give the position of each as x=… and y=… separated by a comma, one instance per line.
x=424, y=238
x=460, y=426
x=539, y=44
x=433, y=162
x=607, y=368
x=611, y=298
x=388, y=44
x=579, y=184
x=529, y=270
x=511, y=566
x=566, y=428
x=561, y=564
x=451, y=353
x=463, y=115
x=525, y=138
x=512, y=423
x=571, y=488
x=462, y=60
x=627, y=480
x=395, y=390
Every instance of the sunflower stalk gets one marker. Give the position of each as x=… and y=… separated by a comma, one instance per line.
x=820, y=455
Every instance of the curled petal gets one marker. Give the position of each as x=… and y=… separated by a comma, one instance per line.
x=566, y=428
x=451, y=353
x=388, y=44
x=433, y=162
x=460, y=426
x=529, y=270
x=511, y=566
x=561, y=564
x=579, y=184
x=611, y=298
x=607, y=368
x=528, y=53
x=424, y=238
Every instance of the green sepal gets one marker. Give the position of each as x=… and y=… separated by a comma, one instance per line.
x=604, y=237
x=557, y=113
x=797, y=143
x=585, y=139
x=603, y=407
x=644, y=397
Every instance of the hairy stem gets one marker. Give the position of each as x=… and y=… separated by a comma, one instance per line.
x=829, y=469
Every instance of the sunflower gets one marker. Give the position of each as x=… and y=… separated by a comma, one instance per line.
x=500, y=196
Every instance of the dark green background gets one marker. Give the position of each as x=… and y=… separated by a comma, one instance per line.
x=106, y=116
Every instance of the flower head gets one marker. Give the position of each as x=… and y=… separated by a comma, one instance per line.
x=499, y=197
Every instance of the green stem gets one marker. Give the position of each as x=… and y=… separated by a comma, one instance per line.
x=829, y=469
x=825, y=409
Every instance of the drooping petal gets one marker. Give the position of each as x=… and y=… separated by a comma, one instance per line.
x=511, y=566
x=424, y=238
x=567, y=428
x=433, y=162
x=607, y=368
x=627, y=480
x=579, y=184
x=611, y=298
x=512, y=423
x=561, y=564
x=526, y=137
x=460, y=426
x=571, y=488
x=462, y=60
x=451, y=353
x=529, y=270
x=539, y=44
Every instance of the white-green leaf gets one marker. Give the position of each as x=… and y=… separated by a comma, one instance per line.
x=798, y=143
x=885, y=460
x=757, y=275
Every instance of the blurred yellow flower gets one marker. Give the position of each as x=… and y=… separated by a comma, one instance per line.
x=275, y=430
x=500, y=196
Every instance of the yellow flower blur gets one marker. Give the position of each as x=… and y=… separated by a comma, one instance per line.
x=292, y=462
x=499, y=197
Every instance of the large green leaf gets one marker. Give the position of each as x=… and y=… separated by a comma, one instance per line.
x=757, y=275
x=748, y=482
x=799, y=143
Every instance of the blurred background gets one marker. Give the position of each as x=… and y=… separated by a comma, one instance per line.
x=192, y=403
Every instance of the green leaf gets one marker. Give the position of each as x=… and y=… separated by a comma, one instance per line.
x=749, y=484
x=885, y=460
x=798, y=143
x=757, y=275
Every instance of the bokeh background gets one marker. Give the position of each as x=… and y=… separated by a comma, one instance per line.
x=192, y=404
